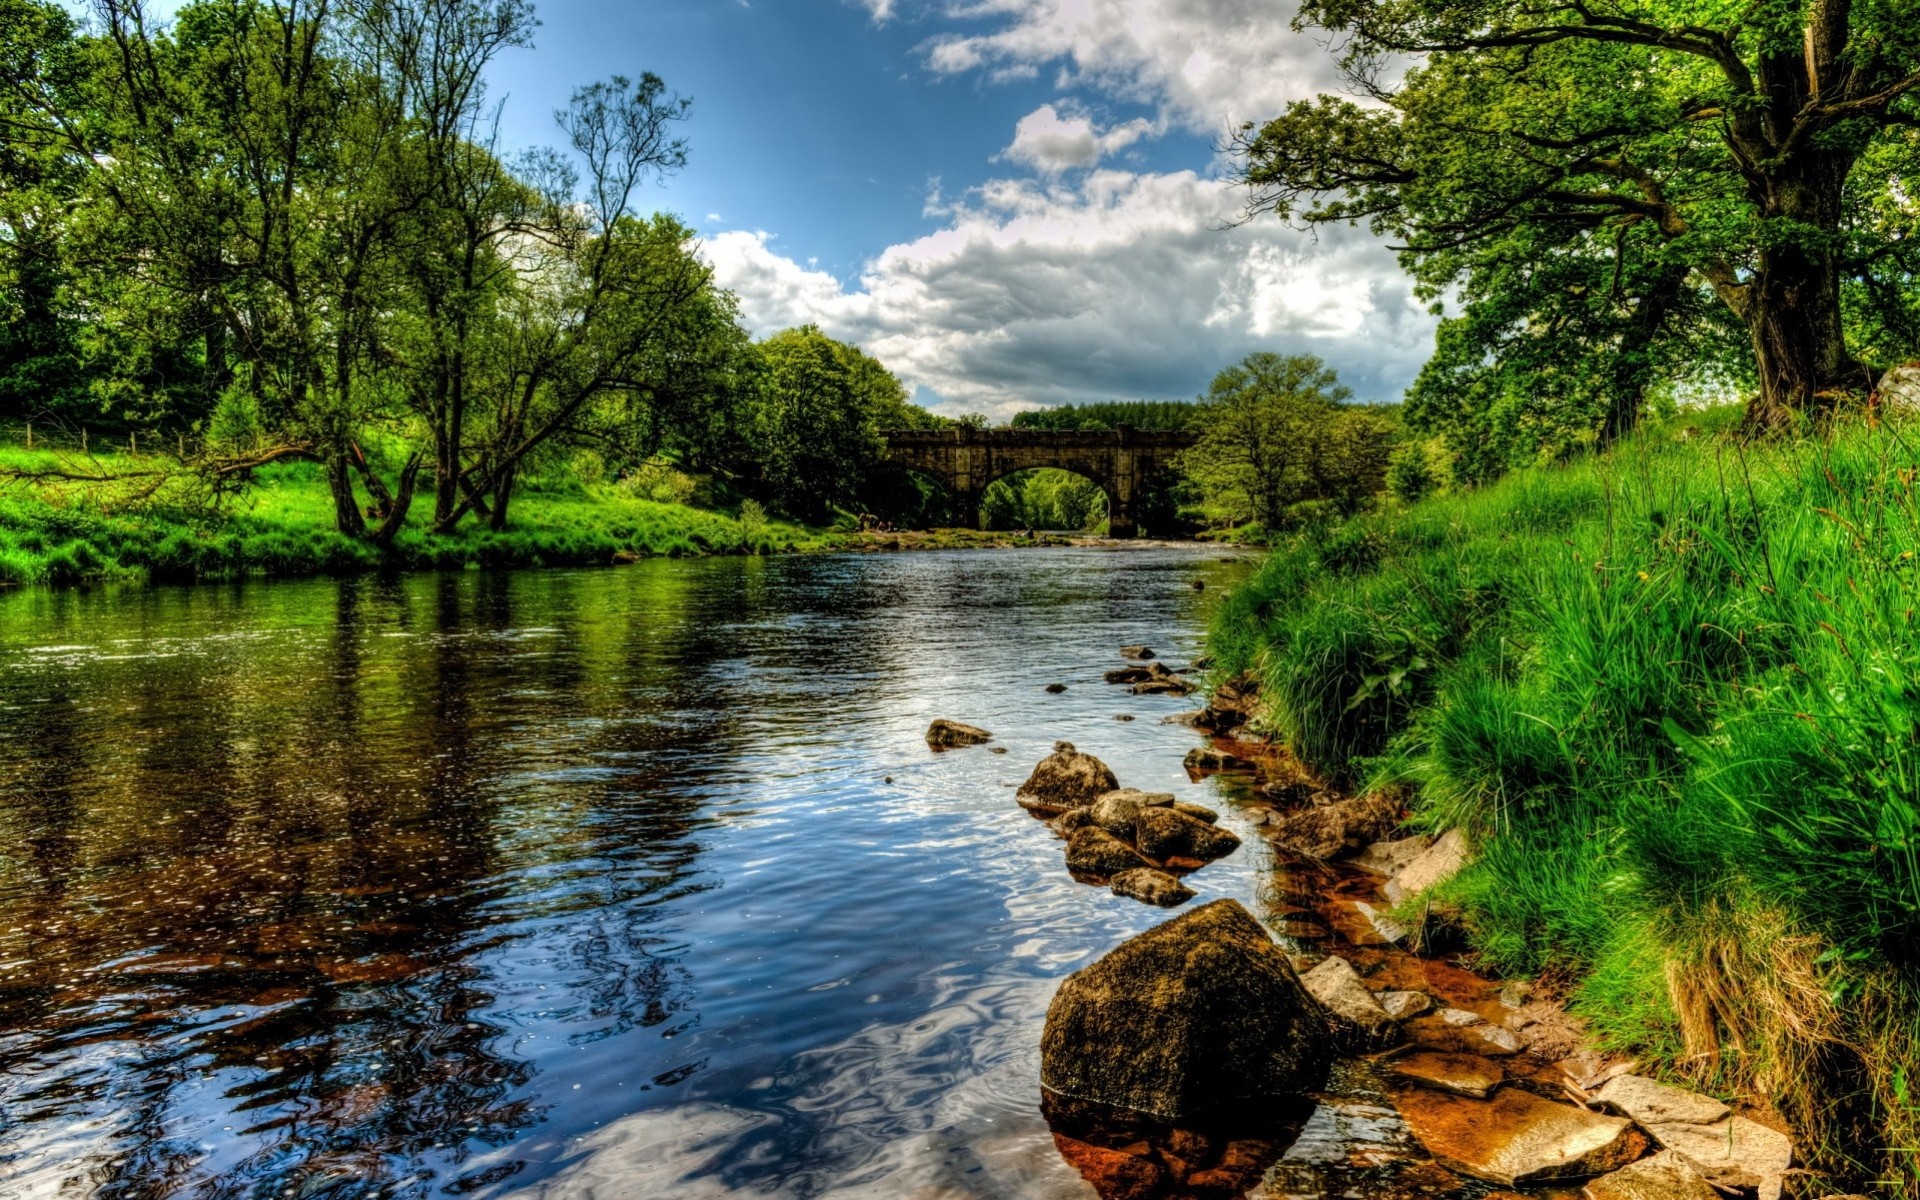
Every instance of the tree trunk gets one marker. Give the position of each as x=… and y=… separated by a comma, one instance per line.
x=1793, y=298
x=502, y=492
x=1633, y=358
x=346, y=509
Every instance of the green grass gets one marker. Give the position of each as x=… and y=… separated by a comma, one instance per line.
x=56, y=532
x=1673, y=695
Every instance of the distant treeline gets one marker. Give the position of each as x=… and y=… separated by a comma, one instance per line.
x=1111, y=414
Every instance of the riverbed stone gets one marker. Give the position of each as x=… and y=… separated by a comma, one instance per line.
x=1436, y=864
x=1328, y=831
x=1198, y=812
x=1093, y=851
x=1463, y=1032
x=1517, y=1139
x=1356, y=1014
x=1150, y=887
x=1128, y=675
x=1402, y=1006
x=1116, y=811
x=1067, y=778
x=1663, y=1176
x=1136, y=652
x=1472, y=1075
x=1731, y=1153
x=1056, y=688
x=1162, y=685
x=1070, y=820
x=1390, y=857
x=1651, y=1102
x=944, y=734
x=1164, y=833
x=1210, y=758
x=1200, y=1012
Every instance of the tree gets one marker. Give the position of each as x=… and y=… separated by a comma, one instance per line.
x=1274, y=430
x=1734, y=133
x=817, y=428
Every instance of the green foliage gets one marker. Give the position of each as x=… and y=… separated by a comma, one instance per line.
x=1274, y=431
x=1044, y=499
x=1618, y=199
x=1135, y=414
x=1670, y=693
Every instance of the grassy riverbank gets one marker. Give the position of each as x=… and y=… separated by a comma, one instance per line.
x=1673, y=694
x=64, y=531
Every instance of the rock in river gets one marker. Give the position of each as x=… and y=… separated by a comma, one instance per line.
x=1516, y=1138
x=1151, y=887
x=1165, y=833
x=1197, y=1013
x=1137, y=653
x=1356, y=1014
x=1093, y=851
x=943, y=734
x=1662, y=1177
x=1329, y=830
x=1066, y=779
x=1116, y=811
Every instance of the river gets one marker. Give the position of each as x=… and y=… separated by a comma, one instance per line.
x=630, y=882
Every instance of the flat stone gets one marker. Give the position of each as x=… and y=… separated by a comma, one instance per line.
x=1056, y=688
x=1438, y=1032
x=1664, y=1176
x=1653, y=1103
x=1093, y=851
x=1516, y=1139
x=1470, y=1075
x=944, y=734
x=1200, y=1012
x=1150, y=887
x=1137, y=653
x=1403, y=1005
x=1731, y=1153
x=1356, y=1013
x=1164, y=833
x=1388, y=858
x=1436, y=864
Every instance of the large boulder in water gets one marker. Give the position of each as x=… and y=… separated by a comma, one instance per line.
x=1200, y=1012
x=1066, y=779
x=1116, y=811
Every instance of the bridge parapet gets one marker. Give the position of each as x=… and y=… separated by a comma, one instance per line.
x=1122, y=461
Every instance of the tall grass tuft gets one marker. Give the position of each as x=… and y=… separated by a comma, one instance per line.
x=1673, y=694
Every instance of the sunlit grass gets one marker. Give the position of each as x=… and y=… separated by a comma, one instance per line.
x=1674, y=694
x=130, y=524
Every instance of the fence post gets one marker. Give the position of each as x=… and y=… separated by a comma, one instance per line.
x=29, y=435
x=83, y=439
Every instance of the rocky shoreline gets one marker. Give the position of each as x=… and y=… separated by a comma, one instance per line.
x=1359, y=1054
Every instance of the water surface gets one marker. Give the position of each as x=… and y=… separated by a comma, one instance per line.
x=633, y=882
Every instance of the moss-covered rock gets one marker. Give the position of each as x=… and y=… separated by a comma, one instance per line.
x=1200, y=1012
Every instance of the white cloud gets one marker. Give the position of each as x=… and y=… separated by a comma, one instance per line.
x=1118, y=286
x=1051, y=141
x=1208, y=64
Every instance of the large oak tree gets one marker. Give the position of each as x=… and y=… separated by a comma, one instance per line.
x=1734, y=131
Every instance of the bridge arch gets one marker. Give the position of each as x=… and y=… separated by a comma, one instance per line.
x=1123, y=461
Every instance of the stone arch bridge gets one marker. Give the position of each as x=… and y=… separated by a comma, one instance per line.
x=1122, y=461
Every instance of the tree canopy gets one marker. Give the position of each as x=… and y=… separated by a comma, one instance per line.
x=1625, y=188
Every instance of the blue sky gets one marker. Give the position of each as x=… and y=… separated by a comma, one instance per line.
x=1010, y=202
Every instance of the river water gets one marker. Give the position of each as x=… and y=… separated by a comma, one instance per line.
x=636, y=882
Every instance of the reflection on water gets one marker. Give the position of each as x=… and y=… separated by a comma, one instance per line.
x=561, y=884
